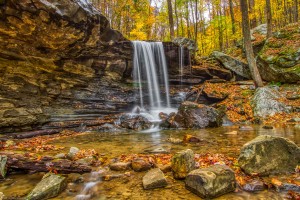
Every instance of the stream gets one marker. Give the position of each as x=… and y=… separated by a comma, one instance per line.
x=129, y=185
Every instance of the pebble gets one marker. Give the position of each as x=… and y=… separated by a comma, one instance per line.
x=231, y=133
x=246, y=128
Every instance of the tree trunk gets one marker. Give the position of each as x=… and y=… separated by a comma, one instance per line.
x=171, y=22
x=269, y=18
x=296, y=11
x=177, y=19
x=232, y=17
x=187, y=18
x=248, y=45
x=253, y=22
x=196, y=23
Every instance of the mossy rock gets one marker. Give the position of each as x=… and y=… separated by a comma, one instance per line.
x=50, y=186
x=267, y=155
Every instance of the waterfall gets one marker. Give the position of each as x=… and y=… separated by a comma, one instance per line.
x=149, y=61
x=181, y=62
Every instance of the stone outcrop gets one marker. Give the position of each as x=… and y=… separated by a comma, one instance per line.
x=58, y=58
x=211, y=182
x=267, y=155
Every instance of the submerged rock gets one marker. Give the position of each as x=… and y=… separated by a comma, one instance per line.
x=120, y=166
x=140, y=165
x=269, y=155
x=246, y=128
x=211, y=182
x=182, y=163
x=154, y=179
x=50, y=186
x=134, y=122
x=254, y=186
x=265, y=102
x=193, y=115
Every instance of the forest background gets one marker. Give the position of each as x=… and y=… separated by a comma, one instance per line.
x=213, y=24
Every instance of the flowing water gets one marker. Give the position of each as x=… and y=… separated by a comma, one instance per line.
x=149, y=62
x=149, y=57
x=110, y=146
x=181, y=62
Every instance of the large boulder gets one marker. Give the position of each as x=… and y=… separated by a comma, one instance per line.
x=182, y=163
x=211, y=182
x=235, y=65
x=265, y=102
x=267, y=155
x=193, y=115
x=50, y=186
x=154, y=179
x=279, y=60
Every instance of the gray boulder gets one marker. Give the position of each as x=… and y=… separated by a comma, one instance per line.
x=265, y=102
x=233, y=64
x=182, y=163
x=72, y=153
x=261, y=29
x=267, y=155
x=211, y=182
x=154, y=179
x=193, y=115
x=50, y=186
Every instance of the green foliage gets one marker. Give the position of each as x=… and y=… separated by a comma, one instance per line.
x=273, y=83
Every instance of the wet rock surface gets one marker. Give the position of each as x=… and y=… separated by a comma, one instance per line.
x=134, y=122
x=50, y=186
x=211, y=182
x=269, y=155
x=254, y=186
x=140, y=165
x=154, y=179
x=120, y=166
x=193, y=115
x=182, y=163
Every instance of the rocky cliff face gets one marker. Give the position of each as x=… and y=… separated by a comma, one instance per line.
x=57, y=59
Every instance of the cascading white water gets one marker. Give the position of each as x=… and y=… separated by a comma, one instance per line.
x=149, y=62
x=87, y=191
x=148, y=58
x=181, y=62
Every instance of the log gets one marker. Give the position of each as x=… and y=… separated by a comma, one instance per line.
x=18, y=162
x=31, y=134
